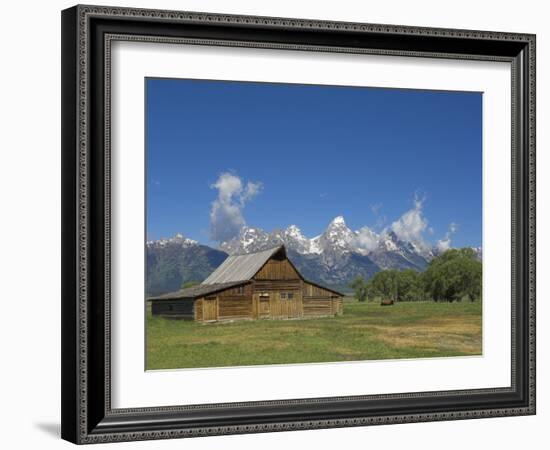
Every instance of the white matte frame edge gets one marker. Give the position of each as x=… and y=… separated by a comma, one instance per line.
x=132, y=387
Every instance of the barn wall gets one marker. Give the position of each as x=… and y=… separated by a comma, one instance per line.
x=285, y=308
x=276, y=305
x=209, y=308
x=310, y=290
x=235, y=303
x=338, y=305
x=261, y=308
x=198, y=310
x=277, y=270
x=231, y=308
x=277, y=285
x=174, y=308
x=317, y=306
x=231, y=304
x=262, y=299
x=319, y=302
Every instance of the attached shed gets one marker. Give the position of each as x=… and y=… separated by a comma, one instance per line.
x=262, y=285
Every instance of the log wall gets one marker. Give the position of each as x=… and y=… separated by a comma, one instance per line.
x=233, y=307
x=235, y=303
x=182, y=309
x=198, y=310
x=284, y=307
x=231, y=304
x=338, y=306
x=320, y=302
x=310, y=290
x=277, y=285
x=271, y=299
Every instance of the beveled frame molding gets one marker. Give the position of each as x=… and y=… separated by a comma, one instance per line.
x=87, y=35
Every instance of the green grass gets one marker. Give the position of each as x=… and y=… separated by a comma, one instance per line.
x=365, y=331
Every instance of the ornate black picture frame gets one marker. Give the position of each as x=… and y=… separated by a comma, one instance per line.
x=87, y=34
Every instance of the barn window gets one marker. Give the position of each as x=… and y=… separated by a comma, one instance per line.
x=283, y=295
x=240, y=290
x=290, y=295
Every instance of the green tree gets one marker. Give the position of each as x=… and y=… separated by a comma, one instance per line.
x=384, y=284
x=453, y=275
x=359, y=285
x=189, y=284
x=409, y=286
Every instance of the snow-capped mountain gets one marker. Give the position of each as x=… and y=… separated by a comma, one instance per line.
x=293, y=238
x=393, y=253
x=334, y=258
x=249, y=240
x=337, y=241
x=337, y=255
x=337, y=238
x=177, y=239
x=252, y=240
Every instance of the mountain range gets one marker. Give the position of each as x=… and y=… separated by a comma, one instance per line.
x=172, y=262
x=334, y=258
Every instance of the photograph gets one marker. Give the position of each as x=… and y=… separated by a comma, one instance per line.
x=301, y=223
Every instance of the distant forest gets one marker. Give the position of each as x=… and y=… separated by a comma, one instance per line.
x=455, y=275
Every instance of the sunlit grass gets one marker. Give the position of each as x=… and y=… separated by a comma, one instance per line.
x=366, y=331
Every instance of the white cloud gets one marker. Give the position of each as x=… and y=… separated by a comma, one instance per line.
x=445, y=243
x=411, y=225
x=366, y=240
x=376, y=208
x=250, y=191
x=381, y=219
x=226, y=214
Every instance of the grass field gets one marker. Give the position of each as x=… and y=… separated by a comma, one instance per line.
x=365, y=331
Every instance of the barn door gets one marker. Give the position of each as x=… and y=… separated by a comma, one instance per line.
x=210, y=310
x=283, y=305
x=288, y=304
x=264, y=310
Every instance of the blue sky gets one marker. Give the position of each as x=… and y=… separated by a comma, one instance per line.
x=304, y=154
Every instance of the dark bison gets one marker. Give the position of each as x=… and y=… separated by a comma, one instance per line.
x=386, y=302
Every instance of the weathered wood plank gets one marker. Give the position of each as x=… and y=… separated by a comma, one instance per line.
x=277, y=270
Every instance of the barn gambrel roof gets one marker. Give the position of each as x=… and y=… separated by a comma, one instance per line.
x=241, y=267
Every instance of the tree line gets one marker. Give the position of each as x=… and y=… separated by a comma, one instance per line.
x=452, y=276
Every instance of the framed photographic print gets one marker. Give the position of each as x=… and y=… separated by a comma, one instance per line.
x=278, y=224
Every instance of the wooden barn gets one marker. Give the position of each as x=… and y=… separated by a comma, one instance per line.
x=263, y=285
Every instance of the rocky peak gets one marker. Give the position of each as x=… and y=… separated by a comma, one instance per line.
x=178, y=239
